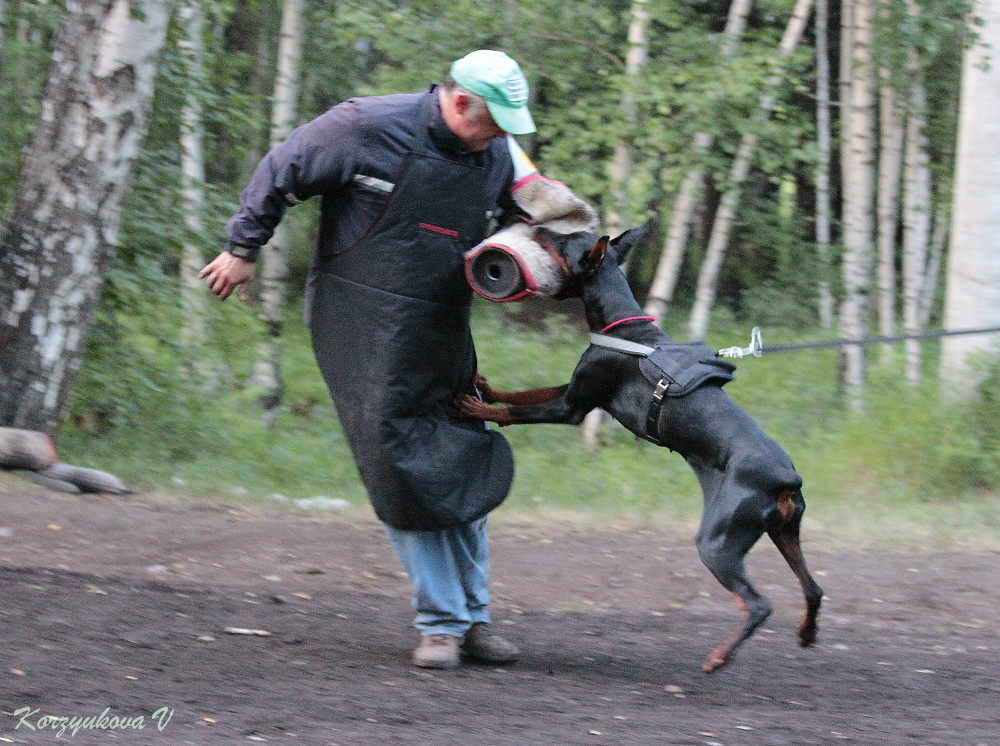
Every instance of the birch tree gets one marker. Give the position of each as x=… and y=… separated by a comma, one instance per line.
x=857, y=185
x=972, y=291
x=193, y=295
x=61, y=237
x=621, y=166
x=823, y=147
x=892, y=122
x=726, y=212
x=635, y=58
x=274, y=258
x=916, y=218
x=939, y=240
x=3, y=26
x=661, y=292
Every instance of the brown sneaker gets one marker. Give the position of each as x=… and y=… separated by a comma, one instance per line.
x=436, y=651
x=486, y=646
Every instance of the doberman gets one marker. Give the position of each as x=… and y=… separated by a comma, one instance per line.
x=748, y=481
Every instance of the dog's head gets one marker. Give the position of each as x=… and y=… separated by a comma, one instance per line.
x=581, y=254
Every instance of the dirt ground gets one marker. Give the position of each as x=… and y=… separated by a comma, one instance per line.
x=119, y=606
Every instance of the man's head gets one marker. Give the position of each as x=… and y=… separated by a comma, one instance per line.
x=484, y=96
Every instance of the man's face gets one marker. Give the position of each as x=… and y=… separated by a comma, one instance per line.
x=471, y=121
x=484, y=131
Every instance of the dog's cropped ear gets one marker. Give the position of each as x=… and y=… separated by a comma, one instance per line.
x=624, y=243
x=594, y=257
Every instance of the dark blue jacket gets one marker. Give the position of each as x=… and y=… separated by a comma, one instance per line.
x=351, y=156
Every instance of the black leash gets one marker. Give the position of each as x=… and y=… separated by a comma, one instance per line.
x=757, y=347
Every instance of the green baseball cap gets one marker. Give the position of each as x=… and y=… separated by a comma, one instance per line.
x=498, y=79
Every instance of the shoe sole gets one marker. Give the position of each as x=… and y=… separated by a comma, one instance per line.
x=488, y=659
x=436, y=664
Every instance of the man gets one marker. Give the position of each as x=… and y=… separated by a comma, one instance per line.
x=408, y=184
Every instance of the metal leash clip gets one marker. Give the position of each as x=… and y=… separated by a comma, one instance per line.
x=756, y=347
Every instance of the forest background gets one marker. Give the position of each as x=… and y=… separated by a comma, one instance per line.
x=797, y=163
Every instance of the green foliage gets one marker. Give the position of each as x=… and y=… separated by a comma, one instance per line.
x=137, y=410
x=131, y=370
x=24, y=62
x=909, y=466
x=971, y=449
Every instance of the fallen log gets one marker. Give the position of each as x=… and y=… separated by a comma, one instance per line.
x=88, y=480
x=26, y=449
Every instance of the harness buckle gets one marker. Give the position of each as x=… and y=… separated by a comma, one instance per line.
x=660, y=390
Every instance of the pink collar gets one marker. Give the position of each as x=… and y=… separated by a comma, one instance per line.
x=613, y=324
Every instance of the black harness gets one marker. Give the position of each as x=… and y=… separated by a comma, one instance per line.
x=673, y=368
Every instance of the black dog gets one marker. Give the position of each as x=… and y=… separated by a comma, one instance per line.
x=671, y=394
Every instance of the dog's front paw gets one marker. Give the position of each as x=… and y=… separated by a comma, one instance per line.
x=468, y=406
x=484, y=388
x=471, y=408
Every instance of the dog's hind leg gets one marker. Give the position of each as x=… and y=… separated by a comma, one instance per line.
x=785, y=536
x=723, y=555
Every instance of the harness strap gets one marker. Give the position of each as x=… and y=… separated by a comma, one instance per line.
x=659, y=391
x=621, y=345
x=653, y=413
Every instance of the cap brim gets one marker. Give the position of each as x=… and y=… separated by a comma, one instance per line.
x=515, y=121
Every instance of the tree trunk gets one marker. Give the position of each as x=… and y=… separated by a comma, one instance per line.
x=858, y=165
x=3, y=27
x=61, y=238
x=972, y=290
x=916, y=220
x=825, y=296
x=635, y=58
x=661, y=292
x=193, y=295
x=939, y=238
x=274, y=258
x=621, y=170
x=892, y=124
x=726, y=212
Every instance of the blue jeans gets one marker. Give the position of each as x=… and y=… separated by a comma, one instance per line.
x=449, y=570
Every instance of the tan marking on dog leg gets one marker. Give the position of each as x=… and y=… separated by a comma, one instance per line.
x=786, y=506
x=722, y=654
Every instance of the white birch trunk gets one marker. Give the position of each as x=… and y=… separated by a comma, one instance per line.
x=274, y=258
x=892, y=126
x=193, y=295
x=61, y=237
x=972, y=290
x=661, y=292
x=726, y=212
x=621, y=167
x=635, y=58
x=916, y=221
x=3, y=25
x=939, y=239
x=858, y=166
x=823, y=138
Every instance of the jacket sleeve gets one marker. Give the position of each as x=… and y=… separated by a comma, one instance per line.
x=317, y=157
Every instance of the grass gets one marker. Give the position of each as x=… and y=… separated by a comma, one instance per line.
x=907, y=470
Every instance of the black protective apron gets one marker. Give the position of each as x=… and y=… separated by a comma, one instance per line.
x=390, y=329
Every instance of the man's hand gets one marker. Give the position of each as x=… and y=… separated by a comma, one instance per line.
x=227, y=273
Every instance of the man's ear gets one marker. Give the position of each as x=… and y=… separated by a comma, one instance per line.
x=461, y=101
x=624, y=243
x=594, y=257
